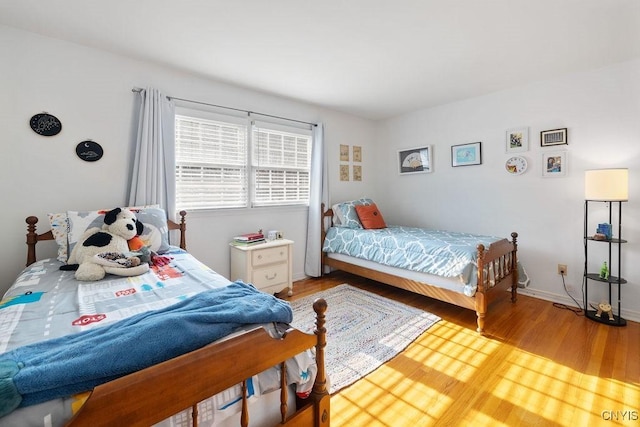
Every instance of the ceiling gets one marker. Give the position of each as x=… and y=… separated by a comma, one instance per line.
x=372, y=58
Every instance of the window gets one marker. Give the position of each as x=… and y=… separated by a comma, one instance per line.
x=280, y=166
x=220, y=164
x=211, y=164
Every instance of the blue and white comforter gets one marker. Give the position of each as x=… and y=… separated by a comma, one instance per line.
x=441, y=253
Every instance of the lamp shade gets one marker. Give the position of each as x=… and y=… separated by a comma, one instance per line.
x=606, y=185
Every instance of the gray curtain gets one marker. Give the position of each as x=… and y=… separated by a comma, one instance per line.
x=153, y=174
x=319, y=193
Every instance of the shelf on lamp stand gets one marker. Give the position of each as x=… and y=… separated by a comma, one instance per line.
x=611, y=280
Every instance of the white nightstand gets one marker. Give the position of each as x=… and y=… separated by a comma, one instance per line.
x=268, y=266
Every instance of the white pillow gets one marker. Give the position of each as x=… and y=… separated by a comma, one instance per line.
x=59, y=223
x=337, y=215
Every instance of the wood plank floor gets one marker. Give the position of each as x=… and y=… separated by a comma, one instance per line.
x=537, y=365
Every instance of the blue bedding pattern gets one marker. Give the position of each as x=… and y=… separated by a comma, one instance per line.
x=40, y=371
x=441, y=253
x=47, y=305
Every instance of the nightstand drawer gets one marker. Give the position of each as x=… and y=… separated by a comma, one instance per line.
x=271, y=275
x=269, y=256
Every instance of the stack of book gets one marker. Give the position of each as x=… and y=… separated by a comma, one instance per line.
x=248, y=239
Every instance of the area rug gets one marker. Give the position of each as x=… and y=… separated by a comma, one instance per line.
x=364, y=330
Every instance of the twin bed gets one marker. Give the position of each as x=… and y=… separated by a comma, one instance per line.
x=58, y=367
x=179, y=345
x=464, y=269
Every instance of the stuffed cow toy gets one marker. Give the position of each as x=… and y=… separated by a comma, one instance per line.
x=101, y=251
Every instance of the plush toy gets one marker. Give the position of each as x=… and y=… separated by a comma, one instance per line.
x=140, y=250
x=101, y=251
x=135, y=243
x=605, y=308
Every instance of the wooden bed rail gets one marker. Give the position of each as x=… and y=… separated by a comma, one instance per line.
x=155, y=393
x=33, y=237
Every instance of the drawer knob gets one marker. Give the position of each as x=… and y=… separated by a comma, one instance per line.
x=266, y=276
x=259, y=256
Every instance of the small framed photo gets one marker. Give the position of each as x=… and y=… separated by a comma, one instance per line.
x=554, y=164
x=553, y=137
x=517, y=140
x=466, y=154
x=357, y=153
x=344, y=172
x=415, y=160
x=357, y=173
x=344, y=153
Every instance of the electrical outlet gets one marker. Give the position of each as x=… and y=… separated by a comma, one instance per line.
x=562, y=269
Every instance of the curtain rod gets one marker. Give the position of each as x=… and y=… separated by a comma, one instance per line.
x=137, y=89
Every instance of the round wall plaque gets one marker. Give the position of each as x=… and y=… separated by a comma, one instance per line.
x=89, y=151
x=45, y=124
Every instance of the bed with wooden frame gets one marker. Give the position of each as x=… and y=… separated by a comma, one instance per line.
x=151, y=395
x=499, y=272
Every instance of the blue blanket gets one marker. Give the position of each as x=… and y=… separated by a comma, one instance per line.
x=75, y=363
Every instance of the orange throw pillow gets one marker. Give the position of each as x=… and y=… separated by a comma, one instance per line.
x=370, y=216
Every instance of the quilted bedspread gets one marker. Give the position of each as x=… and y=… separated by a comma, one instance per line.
x=49, y=305
x=441, y=253
x=40, y=371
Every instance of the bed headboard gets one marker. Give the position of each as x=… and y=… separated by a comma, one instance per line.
x=33, y=237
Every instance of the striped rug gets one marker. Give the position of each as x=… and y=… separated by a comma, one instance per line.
x=364, y=330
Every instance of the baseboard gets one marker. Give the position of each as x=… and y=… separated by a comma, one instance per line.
x=299, y=276
x=566, y=300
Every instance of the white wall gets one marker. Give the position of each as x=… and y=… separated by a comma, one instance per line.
x=601, y=110
x=90, y=92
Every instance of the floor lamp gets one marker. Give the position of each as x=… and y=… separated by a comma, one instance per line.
x=611, y=186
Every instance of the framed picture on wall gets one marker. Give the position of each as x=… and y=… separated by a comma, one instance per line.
x=466, y=154
x=357, y=153
x=517, y=140
x=415, y=160
x=357, y=173
x=554, y=164
x=344, y=172
x=553, y=137
x=344, y=153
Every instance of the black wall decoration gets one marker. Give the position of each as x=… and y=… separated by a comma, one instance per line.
x=89, y=151
x=45, y=124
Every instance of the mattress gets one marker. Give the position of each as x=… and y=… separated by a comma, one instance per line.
x=452, y=284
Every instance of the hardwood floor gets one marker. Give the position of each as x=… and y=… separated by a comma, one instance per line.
x=537, y=365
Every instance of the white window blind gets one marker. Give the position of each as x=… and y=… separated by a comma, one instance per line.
x=211, y=164
x=280, y=162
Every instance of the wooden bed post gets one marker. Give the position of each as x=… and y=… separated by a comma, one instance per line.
x=481, y=296
x=319, y=393
x=32, y=239
x=182, y=226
